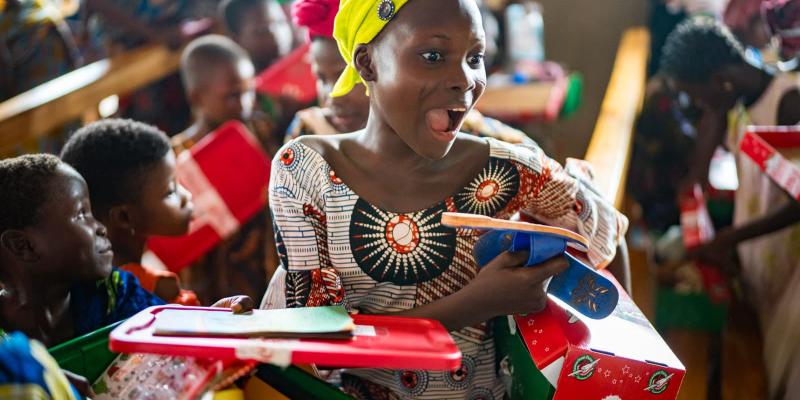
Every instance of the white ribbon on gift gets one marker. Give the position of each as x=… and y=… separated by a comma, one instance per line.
x=210, y=208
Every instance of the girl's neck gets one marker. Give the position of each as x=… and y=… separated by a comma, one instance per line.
x=39, y=309
x=387, y=148
x=128, y=247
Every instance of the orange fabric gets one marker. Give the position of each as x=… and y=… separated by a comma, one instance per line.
x=148, y=277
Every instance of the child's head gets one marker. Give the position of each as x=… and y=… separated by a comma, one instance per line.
x=130, y=170
x=47, y=232
x=424, y=68
x=349, y=112
x=218, y=78
x=702, y=58
x=260, y=27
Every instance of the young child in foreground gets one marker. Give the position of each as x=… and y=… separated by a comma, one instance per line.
x=358, y=215
x=56, y=258
x=129, y=167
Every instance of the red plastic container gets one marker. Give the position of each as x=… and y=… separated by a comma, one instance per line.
x=379, y=342
x=290, y=77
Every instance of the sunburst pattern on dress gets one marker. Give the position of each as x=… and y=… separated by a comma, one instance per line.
x=491, y=190
x=401, y=248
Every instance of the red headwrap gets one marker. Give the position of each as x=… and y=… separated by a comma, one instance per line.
x=739, y=13
x=783, y=18
x=316, y=15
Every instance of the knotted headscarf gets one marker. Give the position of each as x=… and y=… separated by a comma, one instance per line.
x=316, y=15
x=359, y=22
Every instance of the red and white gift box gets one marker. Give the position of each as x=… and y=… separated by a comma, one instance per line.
x=776, y=150
x=291, y=77
x=227, y=173
x=619, y=357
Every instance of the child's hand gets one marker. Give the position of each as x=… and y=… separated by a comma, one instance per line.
x=80, y=383
x=505, y=286
x=237, y=304
x=167, y=288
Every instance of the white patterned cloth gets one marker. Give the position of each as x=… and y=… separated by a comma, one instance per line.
x=336, y=248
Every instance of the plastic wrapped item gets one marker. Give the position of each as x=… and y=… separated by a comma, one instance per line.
x=525, y=32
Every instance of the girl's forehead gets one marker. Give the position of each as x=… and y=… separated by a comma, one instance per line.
x=447, y=18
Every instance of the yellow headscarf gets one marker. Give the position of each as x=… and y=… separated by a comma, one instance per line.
x=358, y=22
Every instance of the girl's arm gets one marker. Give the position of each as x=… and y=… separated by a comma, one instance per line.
x=727, y=240
x=502, y=287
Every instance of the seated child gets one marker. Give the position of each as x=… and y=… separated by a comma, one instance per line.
x=55, y=257
x=358, y=215
x=218, y=77
x=349, y=113
x=260, y=27
x=130, y=169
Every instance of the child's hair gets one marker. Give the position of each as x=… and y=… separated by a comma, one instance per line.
x=112, y=155
x=22, y=189
x=233, y=12
x=697, y=48
x=207, y=52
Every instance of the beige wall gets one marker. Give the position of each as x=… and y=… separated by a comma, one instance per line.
x=583, y=34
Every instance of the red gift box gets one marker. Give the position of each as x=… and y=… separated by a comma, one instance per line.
x=775, y=150
x=619, y=357
x=227, y=173
x=290, y=77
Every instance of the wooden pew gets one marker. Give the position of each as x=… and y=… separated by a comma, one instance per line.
x=41, y=110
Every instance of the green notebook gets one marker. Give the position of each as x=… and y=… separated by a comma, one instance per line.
x=310, y=322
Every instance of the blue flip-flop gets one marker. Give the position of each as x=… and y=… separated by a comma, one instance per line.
x=580, y=286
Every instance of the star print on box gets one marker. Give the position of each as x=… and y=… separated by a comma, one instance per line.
x=491, y=191
x=401, y=248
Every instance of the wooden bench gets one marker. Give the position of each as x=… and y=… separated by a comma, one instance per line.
x=41, y=110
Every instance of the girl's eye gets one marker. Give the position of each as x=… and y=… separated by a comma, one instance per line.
x=82, y=214
x=476, y=60
x=432, y=56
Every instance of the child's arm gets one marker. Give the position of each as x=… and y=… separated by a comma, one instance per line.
x=711, y=132
x=716, y=251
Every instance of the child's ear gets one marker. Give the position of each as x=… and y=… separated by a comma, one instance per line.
x=194, y=97
x=119, y=217
x=17, y=243
x=362, y=60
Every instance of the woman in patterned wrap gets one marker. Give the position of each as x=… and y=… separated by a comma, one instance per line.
x=358, y=215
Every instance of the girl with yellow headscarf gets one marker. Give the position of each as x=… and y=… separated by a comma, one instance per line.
x=358, y=215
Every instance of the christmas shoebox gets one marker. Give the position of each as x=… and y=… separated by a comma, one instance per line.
x=227, y=173
x=776, y=150
x=290, y=77
x=616, y=358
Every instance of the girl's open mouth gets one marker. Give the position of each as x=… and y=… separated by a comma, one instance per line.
x=446, y=121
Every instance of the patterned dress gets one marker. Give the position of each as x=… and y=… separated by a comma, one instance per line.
x=336, y=248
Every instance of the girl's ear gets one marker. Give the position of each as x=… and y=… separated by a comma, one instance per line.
x=17, y=243
x=119, y=218
x=362, y=60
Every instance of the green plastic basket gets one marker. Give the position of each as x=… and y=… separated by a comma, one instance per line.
x=688, y=311
x=87, y=355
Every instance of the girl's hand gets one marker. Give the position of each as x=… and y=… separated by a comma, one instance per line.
x=80, y=383
x=505, y=286
x=237, y=304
